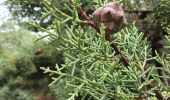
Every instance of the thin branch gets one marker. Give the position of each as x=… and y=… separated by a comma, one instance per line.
x=91, y=23
x=84, y=15
x=118, y=52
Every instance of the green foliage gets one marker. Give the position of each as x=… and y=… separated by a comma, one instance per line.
x=24, y=8
x=162, y=13
x=167, y=46
x=91, y=73
x=20, y=66
x=16, y=46
x=91, y=70
x=31, y=10
x=60, y=89
x=18, y=94
x=16, y=63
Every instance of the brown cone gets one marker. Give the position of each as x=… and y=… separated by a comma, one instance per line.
x=111, y=15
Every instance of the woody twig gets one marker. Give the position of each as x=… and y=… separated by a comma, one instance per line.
x=109, y=29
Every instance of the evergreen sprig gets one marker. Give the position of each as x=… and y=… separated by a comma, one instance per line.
x=91, y=69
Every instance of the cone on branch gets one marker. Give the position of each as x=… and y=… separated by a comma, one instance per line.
x=111, y=15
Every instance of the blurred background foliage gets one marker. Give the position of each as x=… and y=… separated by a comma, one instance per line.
x=20, y=60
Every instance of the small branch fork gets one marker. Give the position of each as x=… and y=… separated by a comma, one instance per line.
x=84, y=15
x=118, y=52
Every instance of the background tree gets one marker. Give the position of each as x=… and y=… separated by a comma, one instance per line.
x=20, y=61
x=31, y=10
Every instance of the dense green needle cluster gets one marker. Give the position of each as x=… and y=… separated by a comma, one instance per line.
x=92, y=70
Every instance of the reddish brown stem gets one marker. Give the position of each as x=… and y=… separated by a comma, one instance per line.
x=118, y=52
x=83, y=14
x=122, y=58
x=91, y=23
